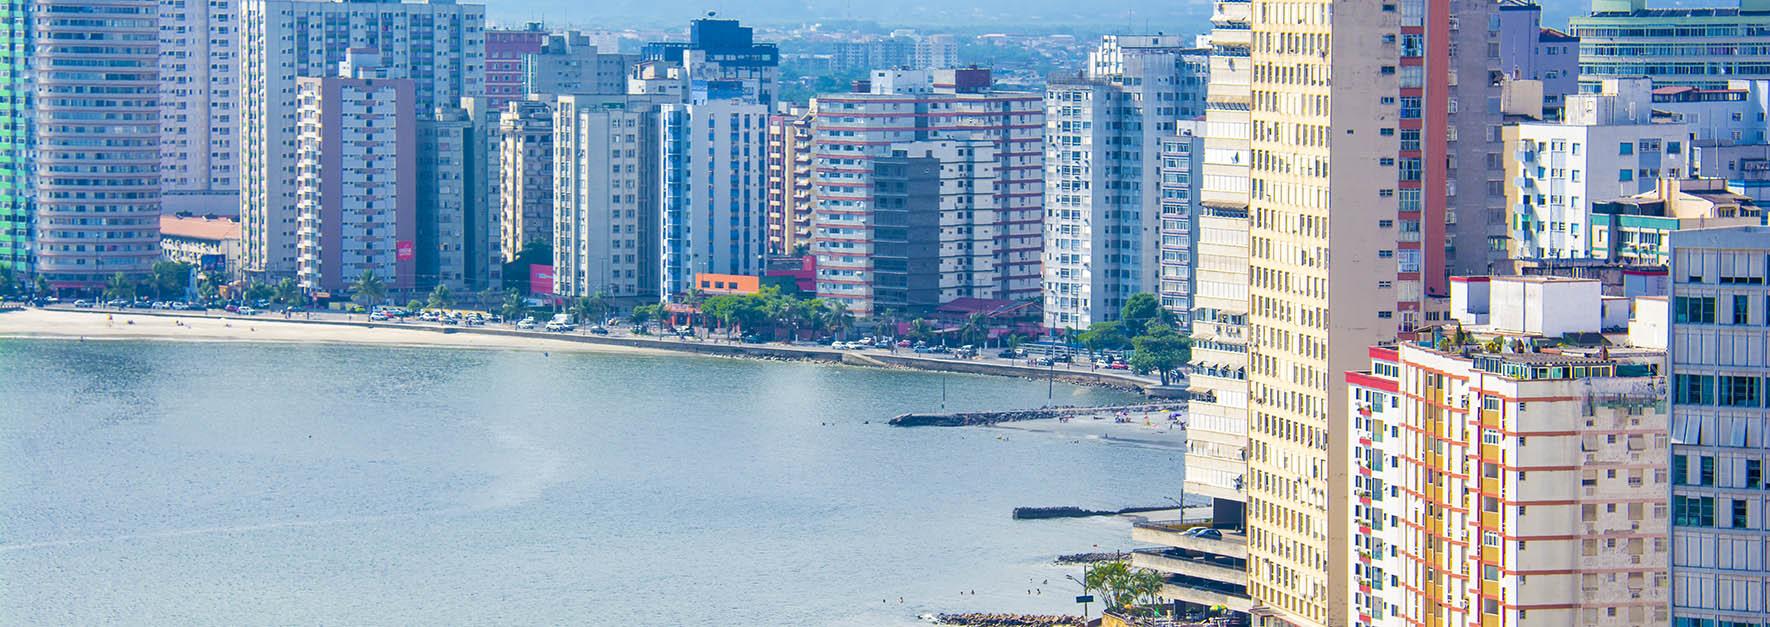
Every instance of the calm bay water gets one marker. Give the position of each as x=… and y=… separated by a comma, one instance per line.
x=160, y=483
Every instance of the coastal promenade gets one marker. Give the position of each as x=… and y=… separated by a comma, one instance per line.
x=335, y=328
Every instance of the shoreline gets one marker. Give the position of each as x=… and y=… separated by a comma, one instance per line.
x=156, y=325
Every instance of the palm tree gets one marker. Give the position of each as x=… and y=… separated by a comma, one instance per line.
x=120, y=286
x=975, y=329
x=441, y=297
x=837, y=317
x=368, y=290
x=593, y=309
x=287, y=292
x=921, y=330
x=513, y=309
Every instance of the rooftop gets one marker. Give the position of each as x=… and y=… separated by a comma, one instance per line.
x=205, y=227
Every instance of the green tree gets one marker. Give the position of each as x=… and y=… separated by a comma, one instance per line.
x=1105, y=336
x=120, y=287
x=287, y=292
x=921, y=330
x=7, y=283
x=643, y=315
x=169, y=279
x=1161, y=351
x=835, y=316
x=975, y=330
x=207, y=290
x=1112, y=583
x=256, y=291
x=441, y=297
x=414, y=305
x=41, y=286
x=513, y=308
x=592, y=309
x=1141, y=310
x=368, y=290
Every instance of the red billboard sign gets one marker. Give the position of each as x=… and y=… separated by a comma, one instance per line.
x=540, y=279
x=404, y=251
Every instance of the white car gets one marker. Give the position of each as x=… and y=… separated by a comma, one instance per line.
x=526, y=323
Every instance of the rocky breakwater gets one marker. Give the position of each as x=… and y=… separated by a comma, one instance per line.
x=994, y=619
x=986, y=418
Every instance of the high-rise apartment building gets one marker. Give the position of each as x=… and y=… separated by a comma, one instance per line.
x=507, y=60
x=444, y=208
x=1104, y=131
x=935, y=225
x=935, y=52
x=439, y=46
x=568, y=63
x=525, y=175
x=199, y=112
x=483, y=242
x=97, y=201
x=1699, y=47
x=17, y=201
x=1179, y=174
x=1217, y=416
x=1364, y=156
x=850, y=130
x=357, y=178
x=1533, y=53
x=789, y=182
x=720, y=61
x=1719, y=373
x=1607, y=147
x=713, y=200
x=1497, y=484
x=605, y=196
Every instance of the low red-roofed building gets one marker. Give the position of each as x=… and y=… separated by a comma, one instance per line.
x=209, y=242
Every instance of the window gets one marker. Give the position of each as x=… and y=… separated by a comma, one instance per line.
x=1741, y=309
x=1625, y=148
x=1625, y=175
x=1694, y=309
x=1680, y=469
x=1705, y=471
x=1740, y=520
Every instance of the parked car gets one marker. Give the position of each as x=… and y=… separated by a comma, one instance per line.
x=526, y=323
x=83, y=304
x=1205, y=533
x=599, y=330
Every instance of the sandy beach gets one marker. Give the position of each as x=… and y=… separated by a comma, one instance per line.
x=99, y=325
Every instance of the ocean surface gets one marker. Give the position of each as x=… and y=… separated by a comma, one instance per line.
x=229, y=484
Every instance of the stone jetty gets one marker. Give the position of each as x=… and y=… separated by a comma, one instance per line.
x=985, y=418
x=993, y=619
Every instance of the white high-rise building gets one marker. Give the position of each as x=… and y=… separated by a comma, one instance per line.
x=439, y=46
x=199, y=116
x=1607, y=147
x=851, y=131
x=713, y=201
x=96, y=177
x=1103, y=136
x=1720, y=373
x=604, y=202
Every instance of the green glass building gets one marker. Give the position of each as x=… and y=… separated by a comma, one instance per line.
x=16, y=195
x=1701, y=48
